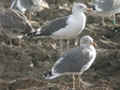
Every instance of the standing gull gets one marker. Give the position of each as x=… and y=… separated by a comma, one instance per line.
x=27, y=6
x=106, y=8
x=66, y=27
x=76, y=61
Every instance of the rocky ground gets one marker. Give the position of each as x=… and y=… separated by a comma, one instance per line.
x=22, y=67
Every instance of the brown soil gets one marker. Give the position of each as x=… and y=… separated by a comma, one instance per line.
x=22, y=67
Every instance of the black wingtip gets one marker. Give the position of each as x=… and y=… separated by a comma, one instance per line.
x=93, y=7
x=31, y=34
x=47, y=74
x=28, y=35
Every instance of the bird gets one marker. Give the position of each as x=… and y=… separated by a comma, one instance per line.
x=66, y=27
x=106, y=8
x=27, y=6
x=75, y=61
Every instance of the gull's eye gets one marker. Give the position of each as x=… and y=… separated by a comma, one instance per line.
x=80, y=6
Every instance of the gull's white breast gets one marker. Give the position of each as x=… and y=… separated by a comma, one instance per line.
x=75, y=26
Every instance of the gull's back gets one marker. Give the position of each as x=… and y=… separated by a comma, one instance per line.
x=73, y=61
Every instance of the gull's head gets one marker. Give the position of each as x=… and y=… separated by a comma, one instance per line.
x=79, y=7
x=87, y=41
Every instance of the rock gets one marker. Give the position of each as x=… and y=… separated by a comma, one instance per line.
x=14, y=23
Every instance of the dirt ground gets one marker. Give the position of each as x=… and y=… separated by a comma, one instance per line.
x=22, y=67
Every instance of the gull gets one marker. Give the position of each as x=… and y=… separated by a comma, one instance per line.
x=106, y=8
x=29, y=6
x=74, y=62
x=66, y=27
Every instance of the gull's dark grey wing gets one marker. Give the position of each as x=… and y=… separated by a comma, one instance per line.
x=50, y=27
x=54, y=26
x=73, y=61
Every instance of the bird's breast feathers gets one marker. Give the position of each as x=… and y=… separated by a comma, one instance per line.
x=91, y=55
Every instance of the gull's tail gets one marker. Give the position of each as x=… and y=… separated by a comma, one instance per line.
x=49, y=75
x=93, y=7
x=34, y=33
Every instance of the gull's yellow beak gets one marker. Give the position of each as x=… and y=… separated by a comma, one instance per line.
x=89, y=9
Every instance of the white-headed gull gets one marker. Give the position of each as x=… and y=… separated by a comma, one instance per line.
x=75, y=61
x=66, y=27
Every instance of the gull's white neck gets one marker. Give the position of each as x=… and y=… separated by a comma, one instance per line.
x=77, y=13
x=87, y=46
x=78, y=16
x=76, y=21
x=92, y=55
